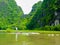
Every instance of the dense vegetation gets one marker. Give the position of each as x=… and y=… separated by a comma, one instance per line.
x=9, y=14
x=41, y=16
x=44, y=14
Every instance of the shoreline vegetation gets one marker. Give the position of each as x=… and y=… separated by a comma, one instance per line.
x=28, y=31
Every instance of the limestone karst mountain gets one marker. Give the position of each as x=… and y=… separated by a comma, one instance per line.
x=45, y=14
x=9, y=14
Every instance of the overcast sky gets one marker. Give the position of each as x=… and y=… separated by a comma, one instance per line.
x=26, y=5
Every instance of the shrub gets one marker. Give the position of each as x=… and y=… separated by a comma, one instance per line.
x=57, y=28
x=50, y=28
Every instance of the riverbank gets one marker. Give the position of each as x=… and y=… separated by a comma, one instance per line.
x=14, y=31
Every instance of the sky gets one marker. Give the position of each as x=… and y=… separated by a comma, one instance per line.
x=26, y=5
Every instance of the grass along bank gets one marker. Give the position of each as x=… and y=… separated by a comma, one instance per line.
x=14, y=31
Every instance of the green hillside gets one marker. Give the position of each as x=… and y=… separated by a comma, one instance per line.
x=45, y=14
x=9, y=14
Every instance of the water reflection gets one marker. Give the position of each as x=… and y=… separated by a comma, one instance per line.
x=30, y=39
